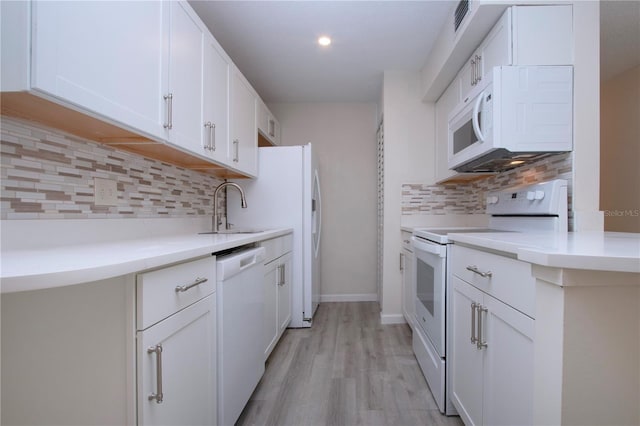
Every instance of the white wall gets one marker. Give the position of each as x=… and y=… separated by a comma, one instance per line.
x=344, y=140
x=620, y=151
x=408, y=158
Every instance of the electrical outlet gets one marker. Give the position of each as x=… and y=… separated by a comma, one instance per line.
x=105, y=192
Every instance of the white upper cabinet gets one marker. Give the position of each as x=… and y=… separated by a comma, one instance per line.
x=183, y=97
x=144, y=75
x=104, y=57
x=244, y=138
x=268, y=125
x=494, y=50
x=215, y=108
x=524, y=35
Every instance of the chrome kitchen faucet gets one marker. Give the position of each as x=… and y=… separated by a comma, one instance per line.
x=243, y=202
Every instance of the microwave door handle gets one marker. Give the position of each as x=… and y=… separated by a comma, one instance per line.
x=475, y=118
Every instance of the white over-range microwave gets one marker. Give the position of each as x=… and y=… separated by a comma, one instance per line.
x=520, y=114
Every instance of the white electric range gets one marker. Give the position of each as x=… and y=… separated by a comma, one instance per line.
x=537, y=207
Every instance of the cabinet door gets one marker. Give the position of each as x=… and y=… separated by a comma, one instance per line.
x=444, y=106
x=185, y=366
x=496, y=49
x=284, y=292
x=553, y=46
x=508, y=365
x=244, y=139
x=466, y=79
x=408, y=288
x=216, y=103
x=262, y=117
x=186, y=40
x=270, y=322
x=106, y=57
x=464, y=357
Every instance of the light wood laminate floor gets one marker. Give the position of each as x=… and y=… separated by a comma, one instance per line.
x=345, y=370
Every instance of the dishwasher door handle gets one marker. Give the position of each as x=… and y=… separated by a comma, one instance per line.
x=248, y=262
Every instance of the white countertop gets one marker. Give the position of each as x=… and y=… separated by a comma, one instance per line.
x=32, y=269
x=601, y=251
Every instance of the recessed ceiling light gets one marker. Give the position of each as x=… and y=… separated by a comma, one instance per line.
x=324, y=41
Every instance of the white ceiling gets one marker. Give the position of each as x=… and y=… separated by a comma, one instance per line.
x=274, y=43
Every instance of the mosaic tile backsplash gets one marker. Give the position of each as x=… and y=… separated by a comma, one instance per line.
x=469, y=198
x=48, y=174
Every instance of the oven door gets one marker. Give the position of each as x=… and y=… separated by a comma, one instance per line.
x=430, y=280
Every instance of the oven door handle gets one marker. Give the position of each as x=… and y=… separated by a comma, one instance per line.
x=437, y=249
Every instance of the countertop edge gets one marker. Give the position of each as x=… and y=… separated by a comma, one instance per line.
x=550, y=257
x=36, y=277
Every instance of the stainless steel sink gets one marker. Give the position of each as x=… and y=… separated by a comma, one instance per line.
x=234, y=231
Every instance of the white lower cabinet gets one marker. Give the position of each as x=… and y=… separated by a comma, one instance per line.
x=176, y=368
x=408, y=282
x=491, y=355
x=176, y=352
x=277, y=290
x=284, y=292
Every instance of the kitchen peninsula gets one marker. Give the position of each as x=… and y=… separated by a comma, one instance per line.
x=586, y=329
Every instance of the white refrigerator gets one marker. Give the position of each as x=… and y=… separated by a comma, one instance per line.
x=287, y=194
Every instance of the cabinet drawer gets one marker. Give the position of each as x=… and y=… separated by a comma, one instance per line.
x=510, y=280
x=159, y=294
x=276, y=247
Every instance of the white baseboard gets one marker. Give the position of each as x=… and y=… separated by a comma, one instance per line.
x=365, y=297
x=392, y=319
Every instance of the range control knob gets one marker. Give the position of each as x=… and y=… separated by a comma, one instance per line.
x=531, y=195
x=539, y=195
x=492, y=199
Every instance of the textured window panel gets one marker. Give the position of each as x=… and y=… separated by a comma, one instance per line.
x=48, y=174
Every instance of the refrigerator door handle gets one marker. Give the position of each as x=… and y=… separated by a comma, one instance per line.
x=317, y=209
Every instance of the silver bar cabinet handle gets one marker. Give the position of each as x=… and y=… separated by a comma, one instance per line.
x=169, y=99
x=157, y=349
x=198, y=281
x=401, y=262
x=475, y=270
x=207, y=143
x=481, y=342
x=272, y=128
x=478, y=71
x=212, y=136
x=284, y=268
x=281, y=275
x=473, y=72
x=236, y=144
x=474, y=339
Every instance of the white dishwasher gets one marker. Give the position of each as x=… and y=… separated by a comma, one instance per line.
x=240, y=307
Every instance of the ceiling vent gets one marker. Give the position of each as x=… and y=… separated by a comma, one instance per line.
x=461, y=11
